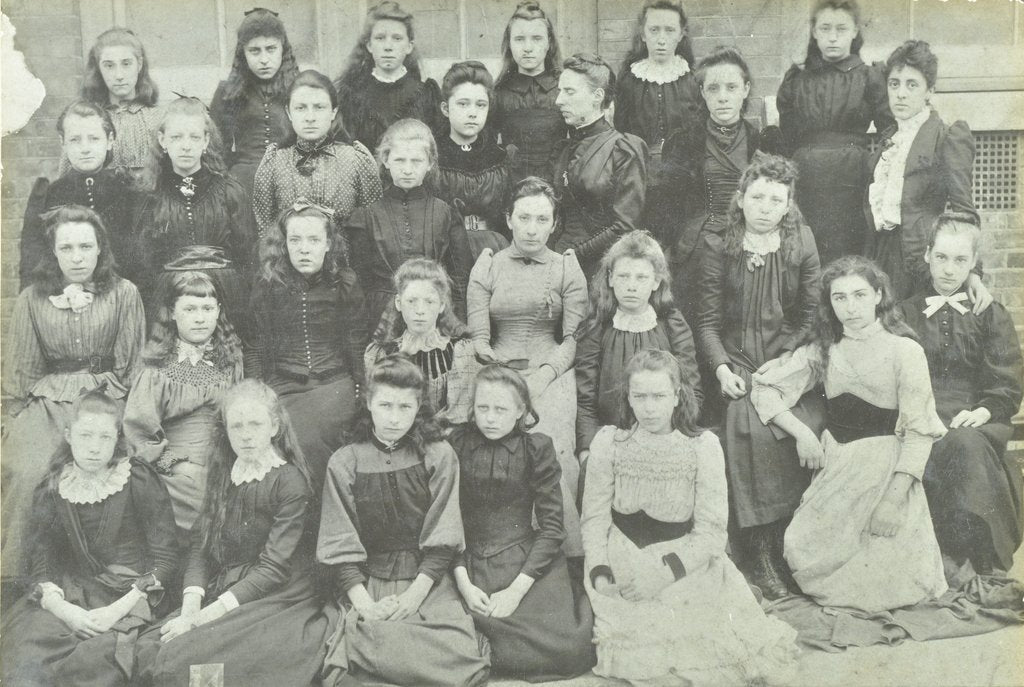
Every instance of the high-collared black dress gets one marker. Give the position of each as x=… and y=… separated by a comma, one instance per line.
x=525, y=115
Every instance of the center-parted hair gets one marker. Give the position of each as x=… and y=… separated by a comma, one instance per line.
x=721, y=55
x=852, y=8
x=684, y=416
x=360, y=61
x=258, y=23
x=597, y=73
x=47, y=274
x=187, y=106
x=528, y=10
x=311, y=78
x=94, y=88
x=407, y=130
x=392, y=326
x=530, y=187
x=772, y=168
x=470, y=71
x=638, y=49
x=275, y=264
x=510, y=379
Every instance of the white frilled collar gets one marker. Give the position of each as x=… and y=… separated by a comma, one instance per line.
x=245, y=470
x=392, y=78
x=652, y=72
x=864, y=332
x=411, y=344
x=635, y=322
x=193, y=353
x=79, y=487
x=762, y=244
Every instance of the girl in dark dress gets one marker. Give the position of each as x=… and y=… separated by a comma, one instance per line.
x=422, y=325
x=263, y=624
x=408, y=221
x=390, y=529
x=195, y=203
x=973, y=487
x=921, y=168
x=117, y=79
x=631, y=310
x=601, y=173
x=656, y=96
x=472, y=169
x=103, y=549
x=514, y=578
x=382, y=82
x=192, y=357
x=87, y=137
x=316, y=162
x=825, y=108
x=758, y=288
x=250, y=106
x=310, y=330
x=525, y=113
x=705, y=164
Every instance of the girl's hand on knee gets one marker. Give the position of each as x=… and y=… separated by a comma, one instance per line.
x=970, y=418
x=175, y=627
x=78, y=620
x=476, y=599
x=648, y=580
x=887, y=518
x=810, y=451
x=732, y=384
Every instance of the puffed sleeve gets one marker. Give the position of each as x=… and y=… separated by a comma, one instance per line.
x=338, y=542
x=574, y=311
x=588, y=373
x=131, y=333
x=478, y=299
x=255, y=344
x=629, y=188
x=957, y=157
x=222, y=118
x=780, y=388
x=685, y=350
x=264, y=205
x=810, y=273
x=785, y=103
x=289, y=498
x=876, y=93
x=153, y=504
x=623, y=101
x=459, y=261
x=459, y=383
x=545, y=477
x=596, y=520
x=1000, y=382
x=918, y=425
x=442, y=535
x=357, y=334
x=48, y=544
x=711, y=303
x=24, y=363
x=368, y=185
x=143, y=415
x=710, y=510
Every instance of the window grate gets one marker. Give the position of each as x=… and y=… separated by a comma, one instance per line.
x=997, y=177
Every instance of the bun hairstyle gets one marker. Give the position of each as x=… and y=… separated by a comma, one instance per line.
x=311, y=78
x=467, y=72
x=596, y=71
x=918, y=55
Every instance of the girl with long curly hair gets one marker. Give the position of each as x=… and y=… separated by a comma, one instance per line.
x=310, y=330
x=404, y=623
x=249, y=601
x=192, y=357
x=103, y=550
x=77, y=326
x=862, y=537
x=757, y=301
x=249, y=106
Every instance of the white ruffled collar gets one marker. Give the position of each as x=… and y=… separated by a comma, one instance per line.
x=762, y=244
x=635, y=322
x=79, y=487
x=255, y=470
x=392, y=78
x=652, y=72
x=410, y=343
x=194, y=353
x=913, y=125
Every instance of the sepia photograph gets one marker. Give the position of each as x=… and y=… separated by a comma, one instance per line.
x=583, y=343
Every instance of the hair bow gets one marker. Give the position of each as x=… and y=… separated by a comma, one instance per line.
x=301, y=204
x=261, y=9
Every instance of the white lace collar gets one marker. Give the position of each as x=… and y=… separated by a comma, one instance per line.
x=635, y=322
x=255, y=470
x=410, y=343
x=762, y=244
x=649, y=70
x=78, y=487
x=392, y=78
x=194, y=353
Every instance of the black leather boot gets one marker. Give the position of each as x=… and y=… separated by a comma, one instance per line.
x=766, y=550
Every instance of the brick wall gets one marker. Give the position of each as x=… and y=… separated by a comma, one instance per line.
x=49, y=35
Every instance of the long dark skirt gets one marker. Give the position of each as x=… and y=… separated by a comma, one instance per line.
x=967, y=475
x=274, y=641
x=907, y=273
x=550, y=636
x=435, y=646
x=830, y=194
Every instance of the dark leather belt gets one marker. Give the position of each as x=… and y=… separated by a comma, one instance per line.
x=643, y=530
x=93, y=364
x=314, y=376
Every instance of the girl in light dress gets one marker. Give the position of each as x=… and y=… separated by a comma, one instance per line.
x=103, y=550
x=422, y=325
x=862, y=536
x=193, y=355
x=669, y=605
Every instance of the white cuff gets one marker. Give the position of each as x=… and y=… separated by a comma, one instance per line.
x=194, y=590
x=229, y=601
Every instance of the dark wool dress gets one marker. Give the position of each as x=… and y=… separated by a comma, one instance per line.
x=601, y=176
x=748, y=317
x=973, y=487
x=367, y=107
x=476, y=183
x=525, y=115
x=248, y=124
x=504, y=483
x=402, y=225
x=109, y=192
x=309, y=343
x=825, y=109
x=278, y=633
x=94, y=552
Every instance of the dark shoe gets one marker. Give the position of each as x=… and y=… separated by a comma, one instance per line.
x=765, y=572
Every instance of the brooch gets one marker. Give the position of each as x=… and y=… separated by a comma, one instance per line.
x=187, y=187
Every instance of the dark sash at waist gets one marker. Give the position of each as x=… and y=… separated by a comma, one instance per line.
x=94, y=364
x=851, y=418
x=827, y=139
x=643, y=530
